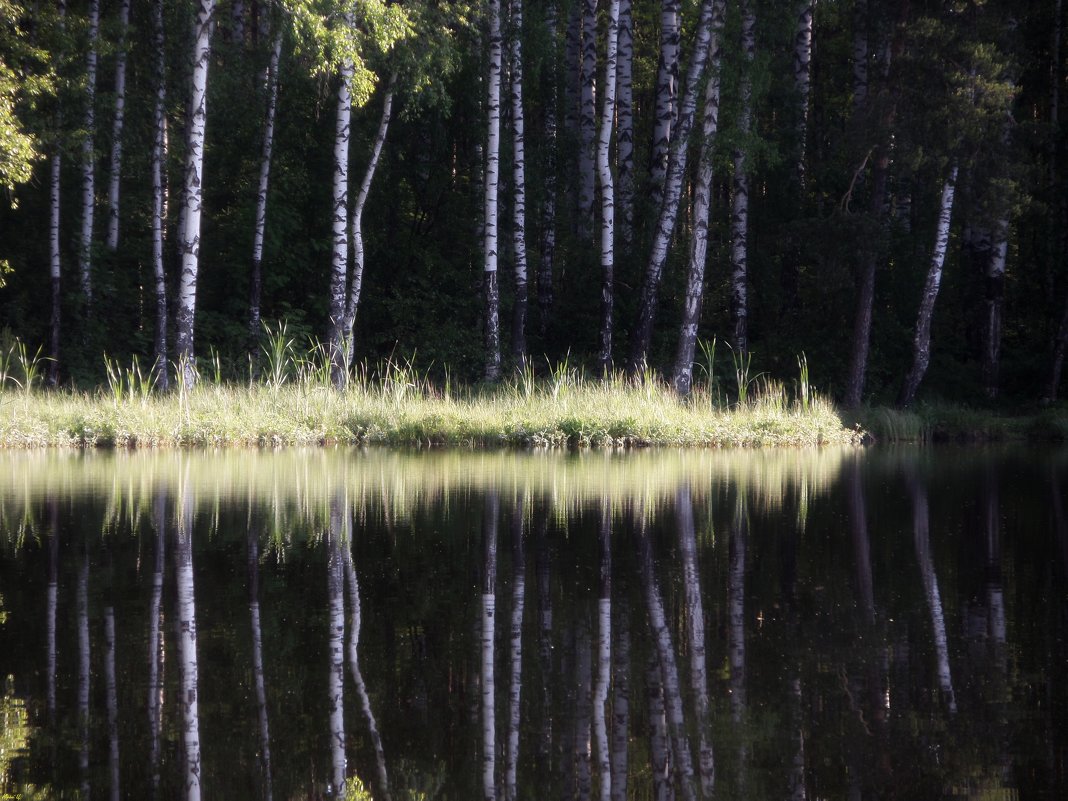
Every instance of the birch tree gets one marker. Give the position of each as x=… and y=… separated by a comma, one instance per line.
x=548, y=211
x=740, y=197
x=335, y=588
x=159, y=194
x=667, y=91
x=111, y=698
x=519, y=181
x=625, y=122
x=154, y=704
x=55, y=168
x=186, y=621
x=192, y=192
x=490, y=513
x=601, y=714
x=921, y=341
x=339, y=263
x=993, y=301
x=51, y=604
x=669, y=208
x=515, y=678
x=85, y=242
x=620, y=702
x=489, y=245
x=118, y=119
x=587, y=119
x=803, y=80
x=682, y=378
x=604, y=172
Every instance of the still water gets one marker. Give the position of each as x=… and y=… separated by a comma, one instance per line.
x=832, y=624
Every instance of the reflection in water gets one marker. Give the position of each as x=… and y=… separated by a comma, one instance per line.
x=748, y=606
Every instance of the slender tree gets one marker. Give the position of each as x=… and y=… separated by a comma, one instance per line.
x=186, y=621
x=587, y=119
x=625, y=122
x=337, y=539
x=601, y=714
x=159, y=194
x=667, y=91
x=995, y=296
x=51, y=605
x=55, y=169
x=116, y=128
x=82, y=603
x=154, y=705
x=548, y=210
x=860, y=54
x=192, y=192
x=85, y=243
x=339, y=264
x=515, y=678
x=489, y=246
x=257, y=659
x=604, y=172
x=111, y=697
x=620, y=702
x=803, y=81
x=489, y=614
x=740, y=198
x=519, y=181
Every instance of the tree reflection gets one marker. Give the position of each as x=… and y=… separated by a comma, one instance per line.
x=335, y=584
x=515, y=686
x=489, y=611
x=257, y=658
x=187, y=641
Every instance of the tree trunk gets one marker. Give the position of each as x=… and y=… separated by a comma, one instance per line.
x=860, y=54
x=257, y=659
x=736, y=611
x=620, y=703
x=187, y=643
x=519, y=179
x=489, y=614
x=256, y=277
x=515, y=684
x=740, y=201
x=489, y=248
x=339, y=263
x=335, y=589
x=608, y=202
x=921, y=532
x=159, y=196
x=625, y=122
x=55, y=170
x=82, y=601
x=85, y=243
x=358, y=260
x=695, y=620
x=189, y=235
x=659, y=744
x=803, y=81
x=51, y=606
x=669, y=209
x=154, y=705
x=667, y=91
x=116, y=128
x=548, y=212
x=601, y=713
x=682, y=377
x=995, y=294
x=921, y=342
x=587, y=119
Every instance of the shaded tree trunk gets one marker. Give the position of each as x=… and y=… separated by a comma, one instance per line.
x=85, y=242
x=54, y=171
x=740, y=200
x=921, y=342
x=860, y=54
x=492, y=371
x=736, y=629
x=519, y=179
x=545, y=640
x=995, y=295
x=50, y=608
x=111, y=698
x=159, y=196
x=682, y=377
x=608, y=201
x=659, y=744
x=256, y=276
x=192, y=194
x=625, y=122
x=548, y=211
x=339, y=262
x=587, y=119
x=116, y=128
x=669, y=209
x=803, y=81
x=667, y=90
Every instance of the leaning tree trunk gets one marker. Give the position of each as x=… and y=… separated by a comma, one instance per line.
x=667, y=91
x=489, y=614
x=159, y=195
x=85, y=243
x=519, y=180
x=116, y=129
x=608, y=201
x=257, y=658
x=548, y=211
x=489, y=246
x=995, y=295
x=682, y=377
x=339, y=264
x=587, y=119
x=187, y=643
x=192, y=195
x=921, y=342
x=256, y=277
x=669, y=208
x=740, y=201
x=356, y=229
x=515, y=682
x=803, y=81
x=604, y=649
x=55, y=170
x=625, y=122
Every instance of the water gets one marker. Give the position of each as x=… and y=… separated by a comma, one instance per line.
x=761, y=625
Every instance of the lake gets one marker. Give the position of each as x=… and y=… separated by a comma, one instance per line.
x=306, y=624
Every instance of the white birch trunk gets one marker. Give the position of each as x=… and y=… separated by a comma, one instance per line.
x=625, y=122
x=82, y=601
x=921, y=532
x=659, y=744
x=257, y=660
x=665, y=650
x=154, y=705
x=601, y=712
x=620, y=704
x=187, y=644
x=85, y=243
x=860, y=54
x=256, y=279
x=489, y=614
x=587, y=119
x=356, y=229
x=159, y=196
x=608, y=202
x=695, y=620
x=803, y=81
x=682, y=378
x=669, y=209
x=995, y=294
x=667, y=90
x=519, y=587
x=519, y=180
x=116, y=128
x=192, y=194
x=335, y=589
x=55, y=170
x=740, y=200
x=489, y=248
x=921, y=342
x=339, y=264
x=111, y=696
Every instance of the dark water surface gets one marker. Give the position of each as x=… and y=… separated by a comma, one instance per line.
x=831, y=624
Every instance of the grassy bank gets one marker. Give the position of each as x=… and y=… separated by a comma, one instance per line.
x=399, y=408
x=943, y=422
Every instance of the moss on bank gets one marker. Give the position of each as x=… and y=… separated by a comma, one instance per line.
x=556, y=414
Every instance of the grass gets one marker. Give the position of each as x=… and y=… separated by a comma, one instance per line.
x=393, y=404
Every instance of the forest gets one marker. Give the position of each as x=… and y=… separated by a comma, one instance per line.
x=481, y=187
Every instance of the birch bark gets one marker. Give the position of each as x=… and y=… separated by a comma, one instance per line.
x=620, y=703
x=111, y=699
x=115, y=172
x=54, y=261
x=548, y=211
x=515, y=679
x=187, y=643
x=489, y=614
x=519, y=181
x=154, y=705
x=489, y=248
x=85, y=243
x=159, y=197
x=587, y=119
x=740, y=199
x=335, y=588
x=339, y=264
x=803, y=81
x=601, y=714
x=604, y=171
x=667, y=90
x=625, y=122
x=995, y=295
x=257, y=660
